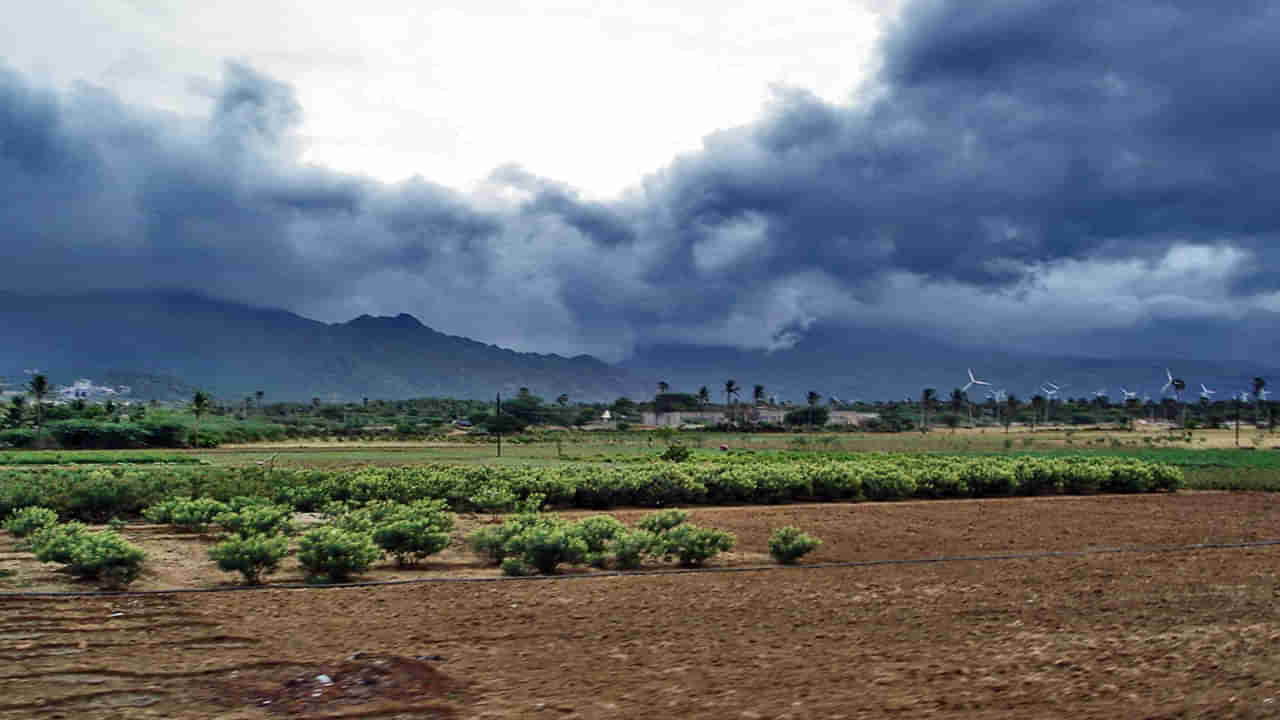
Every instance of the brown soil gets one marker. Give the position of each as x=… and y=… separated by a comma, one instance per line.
x=1180, y=634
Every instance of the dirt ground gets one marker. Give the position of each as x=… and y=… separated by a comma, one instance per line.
x=1158, y=635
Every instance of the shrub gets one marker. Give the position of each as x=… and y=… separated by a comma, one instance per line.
x=596, y=531
x=410, y=540
x=515, y=567
x=29, y=520
x=493, y=542
x=676, y=453
x=195, y=515
x=662, y=521
x=788, y=544
x=252, y=556
x=630, y=547
x=332, y=554
x=546, y=547
x=693, y=545
x=254, y=520
x=103, y=494
x=55, y=543
x=107, y=558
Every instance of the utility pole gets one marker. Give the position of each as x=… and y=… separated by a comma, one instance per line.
x=498, y=415
x=1237, y=402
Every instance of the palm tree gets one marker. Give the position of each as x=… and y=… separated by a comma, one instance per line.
x=563, y=399
x=704, y=396
x=663, y=387
x=1037, y=407
x=39, y=387
x=730, y=391
x=757, y=393
x=199, y=406
x=16, y=410
x=1259, y=385
x=260, y=394
x=926, y=399
x=1011, y=404
x=958, y=400
x=813, y=399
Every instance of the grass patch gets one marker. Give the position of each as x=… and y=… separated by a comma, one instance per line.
x=93, y=457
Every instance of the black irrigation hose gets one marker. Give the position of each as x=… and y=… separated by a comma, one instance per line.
x=1033, y=555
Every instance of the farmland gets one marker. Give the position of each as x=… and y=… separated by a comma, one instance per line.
x=1039, y=581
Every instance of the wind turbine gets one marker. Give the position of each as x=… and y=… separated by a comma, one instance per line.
x=1206, y=393
x=973, y=381
x=969, y=405
x=1168, y=384
x=1129, y=395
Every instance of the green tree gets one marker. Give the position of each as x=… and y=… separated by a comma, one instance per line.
x=757, y=394
x=199, y=406
x=958, y=401
x=562, y=400
x=259, y=395
x=1011, y=411
x=730, y=393
x=663, y=387
x=812, y=398
x=927, y=396
x=17, y=410
x=39, y=388
x=704, y=396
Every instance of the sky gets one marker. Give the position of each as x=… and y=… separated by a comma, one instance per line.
x=1095, y=176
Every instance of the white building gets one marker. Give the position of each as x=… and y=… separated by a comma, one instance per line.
x=84, y=389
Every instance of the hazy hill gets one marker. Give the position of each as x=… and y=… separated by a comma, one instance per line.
x=171, y=342
x=234, y=349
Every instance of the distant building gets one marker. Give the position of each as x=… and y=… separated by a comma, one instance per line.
x=763, y=415
x=84, y=389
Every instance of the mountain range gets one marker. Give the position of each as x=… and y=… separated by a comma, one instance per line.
x=167, y=340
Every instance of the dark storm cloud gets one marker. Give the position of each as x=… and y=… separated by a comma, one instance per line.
x=101, y=195
x=1009, y=154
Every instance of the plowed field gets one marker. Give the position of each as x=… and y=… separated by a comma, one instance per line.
x=1169, y=634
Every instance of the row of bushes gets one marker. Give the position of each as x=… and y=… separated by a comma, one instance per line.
x=39, y=457
x=101, y=556
x=102, y=493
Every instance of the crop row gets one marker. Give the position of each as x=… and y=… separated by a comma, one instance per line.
x=103, y=493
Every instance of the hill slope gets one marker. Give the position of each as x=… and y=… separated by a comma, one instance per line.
x=234, y=349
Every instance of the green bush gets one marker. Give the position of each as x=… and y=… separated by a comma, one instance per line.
x=107, y=558
x=662, y=521
x=56, y=542
x=28, y=520
x=629, y=548
x=410, y=540
x=493, y=542
x=546, y=547
x=676, y=453
x=515, y=567
x=195, y=515
x=253, y=520
x=788, y=544
x=693, y=545
x=252, y=556
x=597, y=530
x=332, y=554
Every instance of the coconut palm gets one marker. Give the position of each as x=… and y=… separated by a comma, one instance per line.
x=731, y=390
x=927, y=396
x=199, y=406
x=562, y=400
x=1011, y=405
x=39, y=387
x=812, y=399
x=663, y=387
x=704, y=396
x=757, y=393
x=959, y=400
